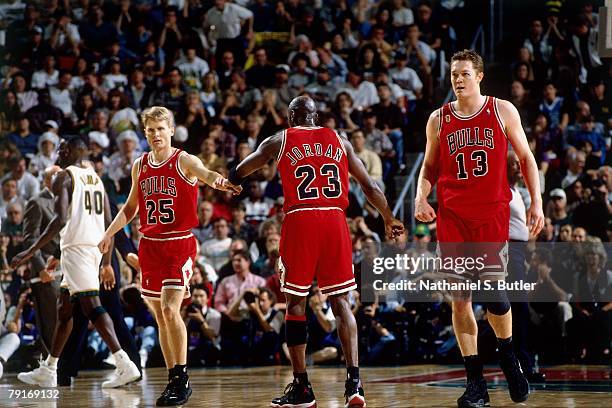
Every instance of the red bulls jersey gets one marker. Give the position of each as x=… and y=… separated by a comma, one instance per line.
x=167, y=200
x=313, y=168
x=472, y=181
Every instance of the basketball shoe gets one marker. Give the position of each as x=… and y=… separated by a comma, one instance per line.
x=43, y=376
x=475, y=395
x=518, y=386
x=177, y=392
x=125, y=373
x=355, y=397
x=296, y=395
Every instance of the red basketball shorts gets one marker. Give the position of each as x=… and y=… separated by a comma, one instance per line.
x=474, y=248
x=166, y=263
x=316, y=243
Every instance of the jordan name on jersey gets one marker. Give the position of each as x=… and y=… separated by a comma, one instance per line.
x=470, y=137
x=158, y=185
x=298, y=153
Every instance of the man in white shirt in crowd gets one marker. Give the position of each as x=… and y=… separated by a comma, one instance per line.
x=224, y=21
x=61, y=97
x=46, y=77
x=27, y=185
x=193, y=68
x=364, y=92
x=406, y=78
x=216, y=249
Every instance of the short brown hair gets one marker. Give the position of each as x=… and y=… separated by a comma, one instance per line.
x=158, y=113
x=469, y=55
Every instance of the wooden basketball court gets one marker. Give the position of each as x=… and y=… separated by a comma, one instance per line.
x=408, y=386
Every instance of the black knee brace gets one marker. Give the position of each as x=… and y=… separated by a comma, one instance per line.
x=501, y=305
x=296, y=332
x=95, y=313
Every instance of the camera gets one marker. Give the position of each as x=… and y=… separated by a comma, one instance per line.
x=249, y=297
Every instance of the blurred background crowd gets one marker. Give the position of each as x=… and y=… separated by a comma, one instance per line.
x=228, y=70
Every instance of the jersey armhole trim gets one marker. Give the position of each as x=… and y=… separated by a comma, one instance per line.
x=498, y=117
x=340, y=141
x=139, y=164
x=283, y=143
x=180, y=171
x=440, y=113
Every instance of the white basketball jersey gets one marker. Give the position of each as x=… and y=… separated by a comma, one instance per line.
x=85, y=225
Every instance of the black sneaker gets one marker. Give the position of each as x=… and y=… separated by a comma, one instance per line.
x=162, y=398
x=296, y=396
x=178, y=393
x=518, y=386
x=354, y=395
x=475, y=395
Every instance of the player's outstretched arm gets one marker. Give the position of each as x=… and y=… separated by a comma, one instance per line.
x=61, y=187
x=267, y=150
x=429, y=171
x=125, y=215
x=516, y=135
x=393, y=226
x=193, y=167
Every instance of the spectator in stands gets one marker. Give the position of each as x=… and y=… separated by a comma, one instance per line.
x=257, y=206
x=137, y=91
x=583, y=41
x=591, y=214
x=47, y=76
x=203, y=329
x=216, y=249
x=593, y=310
x=323, y=342
x=232, y=287
x=225, y=69
x=47, y=154
x=121, y=162
x=553, y=106
x=172, y=95
x=362, y=92
x=63, y=36
x=575, y=171
x=284, y=93
x=43, y=112
x=23, y=138
x=9, y=112
x=261, y=74
x=557, y=209
x=376, y=341
x=322, y=90
x=26, y=98
x=407, y=78
x=226, y=20
x=301, y=74
x=370, y=159
x=266, y=263
x=236, y=246
x=9, y=195
x=389, y=119
x=62, y=96
x=114, y=78
x=96, y=33
x=239, y=227
x=193, y=68
x=27, y=185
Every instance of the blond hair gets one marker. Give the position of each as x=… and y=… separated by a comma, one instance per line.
x=157, y=113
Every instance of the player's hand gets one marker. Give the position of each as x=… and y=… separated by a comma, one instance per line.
x=46, y=276
x=535, y=219
x=133, y=261
x=424, y=212
x=107, y=277
x=223, y=184
x=104, y=245
x=51, y=265
x=21, y=258
x=394, y=228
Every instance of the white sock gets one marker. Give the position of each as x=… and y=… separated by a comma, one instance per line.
x=52, y=362
x=121, y=357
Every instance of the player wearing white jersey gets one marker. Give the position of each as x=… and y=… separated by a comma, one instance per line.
x=81, y=212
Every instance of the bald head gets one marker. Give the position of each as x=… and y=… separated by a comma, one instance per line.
x=302, y=112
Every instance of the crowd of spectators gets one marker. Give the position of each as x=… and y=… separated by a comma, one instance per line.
x=228, y=71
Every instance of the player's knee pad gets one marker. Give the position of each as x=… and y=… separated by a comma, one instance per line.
x=96, y=313
x=501, y=305
x=296, y=330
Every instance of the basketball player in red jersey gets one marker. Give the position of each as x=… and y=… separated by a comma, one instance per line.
x=165, y=189
x=314, y=165
x=467, y=144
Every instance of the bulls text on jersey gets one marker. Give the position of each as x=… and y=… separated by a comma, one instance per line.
x=465, y=137
x=158, y=185
x=298, y=153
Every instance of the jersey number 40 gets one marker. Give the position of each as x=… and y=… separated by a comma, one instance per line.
x=308, y=174
x=94, y=205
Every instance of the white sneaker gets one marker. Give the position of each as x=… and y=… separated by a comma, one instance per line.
x=42, y=376
x=124, y=374
x=1, y=370
x=110, y=360
x=144, y=356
